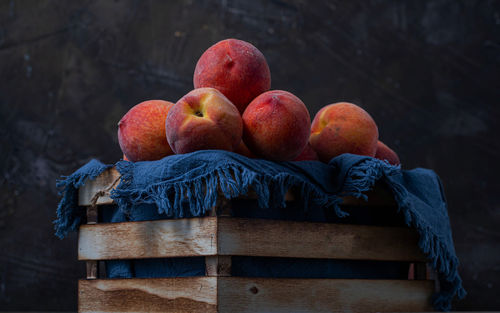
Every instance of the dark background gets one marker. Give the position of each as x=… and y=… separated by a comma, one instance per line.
x=427, y=71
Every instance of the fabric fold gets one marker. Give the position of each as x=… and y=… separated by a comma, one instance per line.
x=188, y=185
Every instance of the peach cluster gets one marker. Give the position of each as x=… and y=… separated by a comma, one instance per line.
x=232, y=108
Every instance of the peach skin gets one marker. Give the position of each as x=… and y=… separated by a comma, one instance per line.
x=236, y=68
x=386, y=153
x=276, y=125
x=308, y=154
x=141, y=132
x=203, y=119
x=343, y=127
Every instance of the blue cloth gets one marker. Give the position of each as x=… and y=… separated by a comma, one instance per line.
x=182, y=186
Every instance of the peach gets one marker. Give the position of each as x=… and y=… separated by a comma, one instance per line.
x=243, y=150
x=386, y=153
x=203, y=119
x=141, y=132
x=343, y=127
x=308, y=154
x=276, y=125
x=236, y=68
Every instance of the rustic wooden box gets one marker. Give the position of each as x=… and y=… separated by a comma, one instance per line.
x=219, y=237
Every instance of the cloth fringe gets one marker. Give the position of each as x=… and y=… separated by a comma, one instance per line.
x=197, y=194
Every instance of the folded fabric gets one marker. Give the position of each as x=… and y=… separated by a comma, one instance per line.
x=186, y=186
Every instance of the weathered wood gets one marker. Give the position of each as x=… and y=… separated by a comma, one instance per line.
x=150, y=239
x=238, y=294
x=189, y=294
x=92, y=269
x=97, y=191
x=92, y=214
x=241, y=236
x=259, y=237
x=420, y=271
x=219, y=265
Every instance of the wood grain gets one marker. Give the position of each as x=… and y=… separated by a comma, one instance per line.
x=188, y=294
x=92, y=268
x=259, y=237
x=103, y=183
x=150, y=239
x=241, y=236
x=218, y=265
x=238, y=294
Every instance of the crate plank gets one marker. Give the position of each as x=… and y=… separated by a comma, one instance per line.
x=219, y=265
x=272, y=238
x=239, y=294
x=188, y=294
x=150, y=239
x=104, y=183
x=241, y=236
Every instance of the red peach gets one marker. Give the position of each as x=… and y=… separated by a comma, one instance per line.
x=308, y=154
x=141, y=132
x=236, y=68
x=276, y=125
x=203, y=119
x=386, y=153
x=243, y=150
x=343, y=127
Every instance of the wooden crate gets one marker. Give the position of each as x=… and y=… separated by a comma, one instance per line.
x=219, y=237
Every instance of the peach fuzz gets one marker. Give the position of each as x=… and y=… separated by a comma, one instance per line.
x=203, y=119
x=343, y=127
x=276, y=125
x=236, y=68
x=386, y=153
x=141, y=131
x=308, y=154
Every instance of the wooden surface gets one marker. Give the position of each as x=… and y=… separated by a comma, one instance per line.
x=239, y=236
x=218, y=265
x=97, y=191
x=137, y=240
x=237, y=294
x=189, y=295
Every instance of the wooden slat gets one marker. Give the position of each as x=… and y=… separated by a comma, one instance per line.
x=189, y=294
x=151, y=239
x=252, y=237
x=105, y=182
x=92, y=268
x=92, y=215
x=238, y=294
x=259, y=237
x=219, y=265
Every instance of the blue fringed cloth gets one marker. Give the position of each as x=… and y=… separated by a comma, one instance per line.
x=184, y=186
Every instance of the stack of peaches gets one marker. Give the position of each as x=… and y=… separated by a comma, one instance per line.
x=232, y=108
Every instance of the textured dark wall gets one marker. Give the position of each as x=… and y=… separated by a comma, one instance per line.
x=427, y=71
